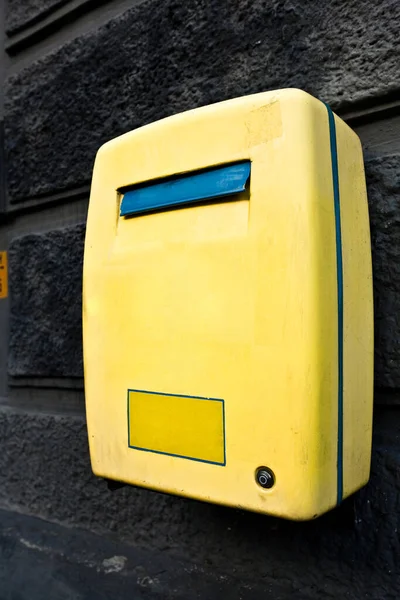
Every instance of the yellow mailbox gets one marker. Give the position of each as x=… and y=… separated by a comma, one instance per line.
x=228, y=318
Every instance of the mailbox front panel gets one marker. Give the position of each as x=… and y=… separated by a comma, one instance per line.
x=228, y=306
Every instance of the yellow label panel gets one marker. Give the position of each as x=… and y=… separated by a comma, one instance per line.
x=3, y=275
x=181, y=426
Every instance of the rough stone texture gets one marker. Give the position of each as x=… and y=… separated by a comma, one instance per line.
x=22, y=13
x=46, y=286
x=44, y=470
x=45, y=279
x=383, y=179
x=160, y=58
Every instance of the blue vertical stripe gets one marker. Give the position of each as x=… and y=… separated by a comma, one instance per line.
x=339, y=270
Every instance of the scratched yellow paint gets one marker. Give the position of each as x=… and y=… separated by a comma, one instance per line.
x=3, y=275
x=232, y=300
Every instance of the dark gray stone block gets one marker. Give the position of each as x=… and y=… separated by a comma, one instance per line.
x=45, y=280
x=383, y=179
x=22, y=13
x=45, y=272
x=159, y=58
x=45, y=471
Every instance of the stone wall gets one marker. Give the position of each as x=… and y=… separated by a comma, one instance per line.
x=78, y=73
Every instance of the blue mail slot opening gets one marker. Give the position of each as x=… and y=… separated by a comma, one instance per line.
x=186, y=189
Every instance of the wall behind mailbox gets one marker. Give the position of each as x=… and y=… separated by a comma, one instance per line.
x=77, y=73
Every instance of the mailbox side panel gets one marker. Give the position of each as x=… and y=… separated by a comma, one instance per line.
x=358, y=342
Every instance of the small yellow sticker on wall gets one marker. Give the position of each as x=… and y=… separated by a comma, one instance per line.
x=3, y=275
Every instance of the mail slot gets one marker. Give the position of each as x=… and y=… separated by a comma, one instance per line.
x=228, y=316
